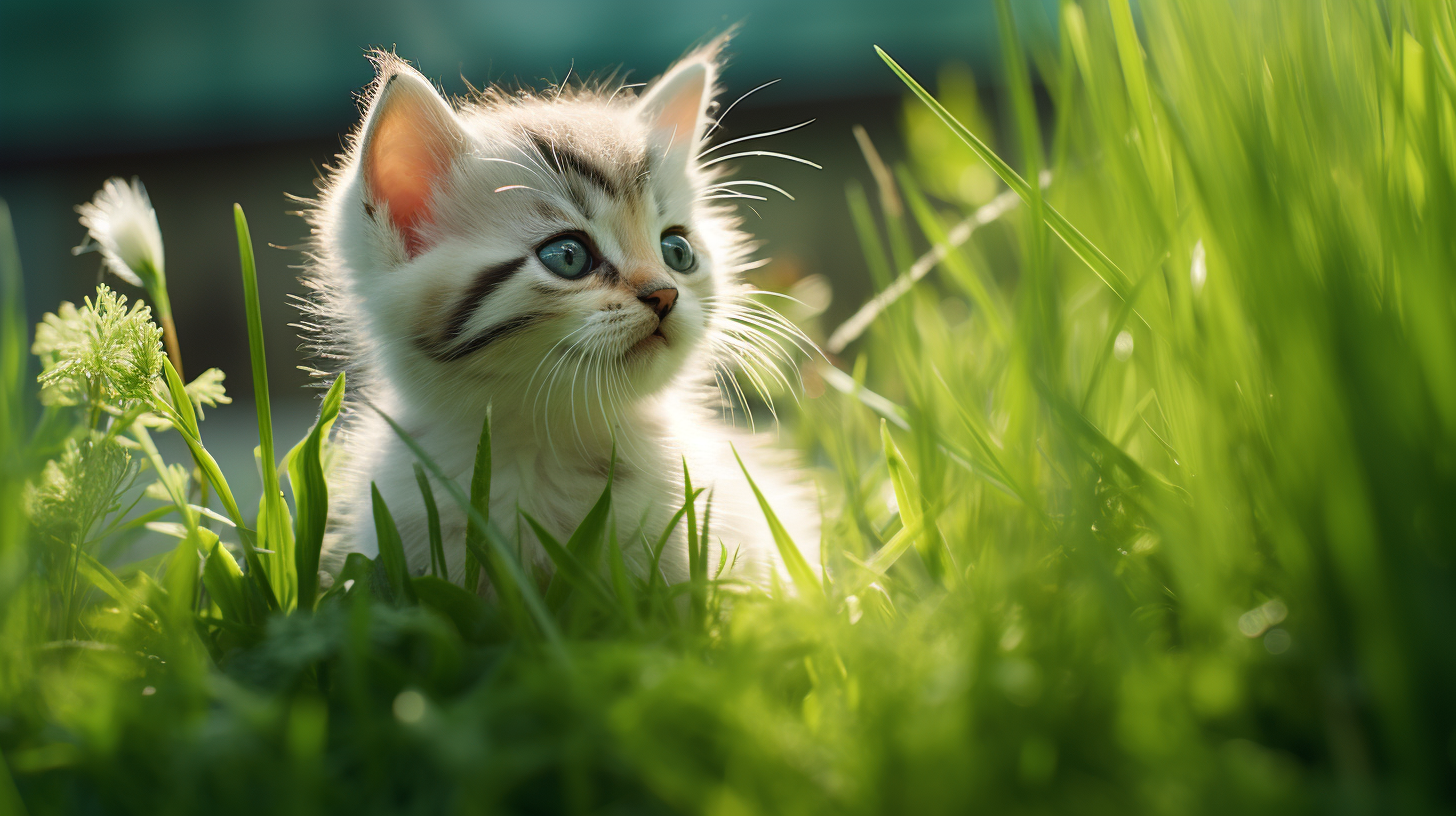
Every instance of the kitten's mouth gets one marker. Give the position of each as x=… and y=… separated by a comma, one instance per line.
x=654, y=340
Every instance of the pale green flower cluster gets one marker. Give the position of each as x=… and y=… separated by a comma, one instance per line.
x=102, y=353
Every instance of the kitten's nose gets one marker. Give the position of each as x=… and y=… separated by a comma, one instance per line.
x=660, y=301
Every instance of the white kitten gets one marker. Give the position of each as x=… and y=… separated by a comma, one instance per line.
x=561, y=260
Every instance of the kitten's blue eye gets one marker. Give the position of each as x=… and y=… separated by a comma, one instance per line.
x=678, y=253
x=567, y=257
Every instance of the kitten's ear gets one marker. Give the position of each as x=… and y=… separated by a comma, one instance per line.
x=410, y=138
x=676, y=106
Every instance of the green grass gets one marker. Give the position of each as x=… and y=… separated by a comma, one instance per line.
x=1141, y=502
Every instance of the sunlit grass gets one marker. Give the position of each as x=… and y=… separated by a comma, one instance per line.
x=1140, y=501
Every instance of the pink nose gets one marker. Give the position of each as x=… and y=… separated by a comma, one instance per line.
x=660, y=301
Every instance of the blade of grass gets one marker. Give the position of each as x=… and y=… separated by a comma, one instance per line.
x=438, y=567
x=274, y=531
x=391, y=550
x=587, y=540
x=1156, y=158
x=13, y=346
x=655, y=549
x=234, y=595
x=181, y=403
x=697, y=571
x=480, y=500
x=621, y=584
x=571, y=573
x=804, y=578
x=901, y=480
x=311, y=495
x=983, y=296
x=530, y=596
x=1101, y=265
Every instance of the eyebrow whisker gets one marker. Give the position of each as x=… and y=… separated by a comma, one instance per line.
x=767, y=153
x=719, y=121
x=765, y=134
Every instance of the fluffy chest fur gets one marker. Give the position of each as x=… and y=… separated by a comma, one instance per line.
x=558, y=490
x=563, y=264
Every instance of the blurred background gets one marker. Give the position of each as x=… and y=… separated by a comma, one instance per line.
x=215, y=103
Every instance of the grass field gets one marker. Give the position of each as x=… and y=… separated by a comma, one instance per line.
x=1140, y=501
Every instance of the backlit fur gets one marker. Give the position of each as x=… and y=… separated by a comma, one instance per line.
x=438, y=323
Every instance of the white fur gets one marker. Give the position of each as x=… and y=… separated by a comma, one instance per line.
x=567, y=389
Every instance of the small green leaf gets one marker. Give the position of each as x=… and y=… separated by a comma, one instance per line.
x=206, y=389
x=480, y=500
x=229, y=589
x=473, y=618
x=438, y=566
x=571, y=572
x=181, y=403
x=587, y=540
x=391, y=550
x=311, y=495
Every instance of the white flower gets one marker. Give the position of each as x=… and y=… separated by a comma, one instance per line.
x=120, y=222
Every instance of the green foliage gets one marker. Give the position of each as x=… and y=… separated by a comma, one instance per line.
x=102, y=353
x=1150, y=518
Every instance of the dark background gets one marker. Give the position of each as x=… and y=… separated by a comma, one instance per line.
x=215, y=103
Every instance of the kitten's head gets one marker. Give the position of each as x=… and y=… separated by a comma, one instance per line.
x=554, y=250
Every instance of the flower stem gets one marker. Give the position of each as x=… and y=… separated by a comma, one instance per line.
x=169, y=336
x=163, y=309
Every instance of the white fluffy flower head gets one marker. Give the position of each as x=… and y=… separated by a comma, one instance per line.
x=120, y=222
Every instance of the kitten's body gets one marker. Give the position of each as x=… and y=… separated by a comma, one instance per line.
x=434, y=288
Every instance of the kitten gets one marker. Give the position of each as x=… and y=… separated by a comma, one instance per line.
x=561, y=260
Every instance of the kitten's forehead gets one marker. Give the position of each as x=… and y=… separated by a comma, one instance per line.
x=592, y=147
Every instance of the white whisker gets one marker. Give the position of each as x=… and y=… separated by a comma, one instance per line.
x=722, y=185
x=763, y=135
x=768, y=153
x=731, y=195
x=719, y=122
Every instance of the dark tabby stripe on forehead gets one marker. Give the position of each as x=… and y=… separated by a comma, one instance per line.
x=567, y=160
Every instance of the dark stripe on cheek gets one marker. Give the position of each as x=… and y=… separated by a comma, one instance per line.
x=497, y=332
x=486, y=281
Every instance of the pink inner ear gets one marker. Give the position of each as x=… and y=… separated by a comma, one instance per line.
x=680, y=115
x=673, y=107
x=407, y=153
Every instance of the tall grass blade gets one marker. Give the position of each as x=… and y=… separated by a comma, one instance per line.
x=480, y=500
x=1100, y=264
x=311, y=494
x=391, y=550
x=438, y=567
x=275, y=532
x=15, y=466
